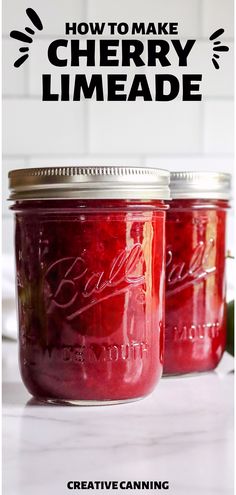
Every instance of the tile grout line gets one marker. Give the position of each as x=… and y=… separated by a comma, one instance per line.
x=109, y=156
x=89, y=37
x=86, y=106
x=202, y=106
x=200, y=19
x=202, y=128
x=86, y=120
x=85, y=10
x=26, y=80
x=142, y=159
x=34, y=97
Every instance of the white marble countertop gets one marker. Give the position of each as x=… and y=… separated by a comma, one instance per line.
x=182, y=433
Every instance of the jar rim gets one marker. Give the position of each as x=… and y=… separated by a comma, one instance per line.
x=200, y=185
x=90, y=182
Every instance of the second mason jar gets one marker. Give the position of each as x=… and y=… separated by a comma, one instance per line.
x=90, y=257
x=195, y=272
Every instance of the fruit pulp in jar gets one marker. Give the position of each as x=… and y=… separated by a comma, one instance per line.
x=195, y=332
x=90, y=278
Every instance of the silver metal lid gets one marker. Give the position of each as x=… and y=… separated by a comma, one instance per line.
x=89, y=183
x=200, y=185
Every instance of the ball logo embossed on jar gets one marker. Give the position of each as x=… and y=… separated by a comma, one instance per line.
x=181, y=274
x=126, y=270
x=195, y=330
x=90, y=258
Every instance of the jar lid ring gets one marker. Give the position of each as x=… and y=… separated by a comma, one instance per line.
x=200, y=185
x=95, y=182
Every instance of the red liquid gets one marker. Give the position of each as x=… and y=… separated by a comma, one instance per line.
x=195, y=286
x=90, y=308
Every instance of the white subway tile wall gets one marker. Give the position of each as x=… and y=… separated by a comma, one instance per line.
x=185, y=12
x=143, y=127
x=36, y=127
x=218, y=14
x=219, y=121
x=53, y=14
x=176, y=135
x=14, y=83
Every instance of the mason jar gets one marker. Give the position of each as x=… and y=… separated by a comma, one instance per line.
x=90, y=261
x=195, y=271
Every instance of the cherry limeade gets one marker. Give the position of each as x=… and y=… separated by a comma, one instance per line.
x=195, y=285
x=90, y=278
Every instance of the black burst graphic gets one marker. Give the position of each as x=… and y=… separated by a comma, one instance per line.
x=217, y=47
x=25, y=38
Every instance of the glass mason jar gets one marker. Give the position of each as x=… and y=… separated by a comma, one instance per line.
x=195, y=272
x=90, y=258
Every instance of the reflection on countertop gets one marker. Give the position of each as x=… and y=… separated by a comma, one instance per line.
x=182, y=433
